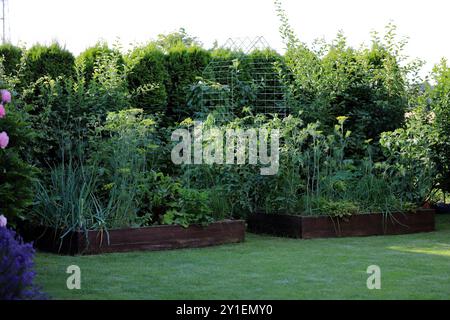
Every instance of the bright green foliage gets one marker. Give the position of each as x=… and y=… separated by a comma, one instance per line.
x=52, y=61
x=89, y=58
x=147, y=78
x=11, y=55
x=191, y=207
x=411, y=156
x=315, y=176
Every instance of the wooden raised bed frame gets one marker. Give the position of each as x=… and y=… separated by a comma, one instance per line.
x=309, y=227
x=130, y=239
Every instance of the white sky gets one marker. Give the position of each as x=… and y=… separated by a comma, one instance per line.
x=79, y=24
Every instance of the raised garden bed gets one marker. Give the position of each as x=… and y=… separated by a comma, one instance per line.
x=130, y=239
x=308, y=227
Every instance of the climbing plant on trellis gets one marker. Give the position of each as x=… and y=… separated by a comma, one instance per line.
x=244, y=80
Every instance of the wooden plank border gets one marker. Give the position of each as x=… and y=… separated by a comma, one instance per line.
x=130, y=239
x=308, y=227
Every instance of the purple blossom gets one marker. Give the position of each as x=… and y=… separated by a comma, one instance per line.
x=3, y=221
x=17, y=268
x=4, y=140
x=6, y=96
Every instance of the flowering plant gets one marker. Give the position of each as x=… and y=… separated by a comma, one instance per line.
x=16, y=266
x=16, y=174
x=6, y=98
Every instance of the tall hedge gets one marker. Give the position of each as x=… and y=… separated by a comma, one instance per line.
x=89, y=57
x=184, y=65
x=52, y=60
x=147, y=78
x=11, y=57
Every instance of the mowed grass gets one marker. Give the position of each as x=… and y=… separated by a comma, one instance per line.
x=263, y=267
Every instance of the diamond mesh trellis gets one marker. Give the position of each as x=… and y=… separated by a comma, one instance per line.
x=250, y=78
x=246, y=44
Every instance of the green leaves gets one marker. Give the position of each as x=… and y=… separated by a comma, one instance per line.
x=191, y=207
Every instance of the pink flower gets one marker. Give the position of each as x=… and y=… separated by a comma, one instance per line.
x=2, y=111
x=4, y=140
x=3, y=221
x=6, y=96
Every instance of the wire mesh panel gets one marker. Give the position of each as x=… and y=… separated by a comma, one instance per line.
x=249, y=79
x=246, y=44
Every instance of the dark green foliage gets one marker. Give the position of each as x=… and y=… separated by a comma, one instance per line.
x=370, y=85
x=366, y=85
x=438, y=108
x=66, y=110
x=103, y=128
x=88, y=59
x=51, y=61
x=263, y=61
x=147, y=79
x=184, y=65
x=264, y=69
x=11, y=55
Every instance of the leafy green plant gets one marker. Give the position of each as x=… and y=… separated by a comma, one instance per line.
x=65, y=110
x=121, y=150
x=89, y=59
x=166, y=42
x=411, y=154
x=66, y=200
x=315, y=176
x=191, y=207
x=372, y=85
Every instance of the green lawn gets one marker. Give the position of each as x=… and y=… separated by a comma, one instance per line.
x=412, y=267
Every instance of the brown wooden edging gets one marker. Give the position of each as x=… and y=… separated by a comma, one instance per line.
x=130, y=239
x=307, y=227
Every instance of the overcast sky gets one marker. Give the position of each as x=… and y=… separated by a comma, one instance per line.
x=79, y=24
